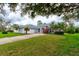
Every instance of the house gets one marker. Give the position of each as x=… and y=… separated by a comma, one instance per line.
x=44, y=27
x=33, y=28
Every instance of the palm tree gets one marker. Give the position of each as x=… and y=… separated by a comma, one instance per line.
x=26, y=29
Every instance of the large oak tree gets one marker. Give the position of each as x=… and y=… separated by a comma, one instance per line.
x=68, y=10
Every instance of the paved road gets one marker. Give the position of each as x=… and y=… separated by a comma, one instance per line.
x=17, y=38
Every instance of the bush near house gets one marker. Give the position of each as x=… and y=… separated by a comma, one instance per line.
x=59, y=31
x=70, y=30
x=77, y=30
x=5, y=32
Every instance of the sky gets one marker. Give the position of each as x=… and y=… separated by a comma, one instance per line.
x=16, y=18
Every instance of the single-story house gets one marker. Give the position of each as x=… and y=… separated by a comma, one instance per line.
x=33, y=28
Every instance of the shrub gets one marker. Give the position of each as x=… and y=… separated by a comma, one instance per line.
x=77, y=30
x=60, y=32
x=4, y=32
x=70, y=30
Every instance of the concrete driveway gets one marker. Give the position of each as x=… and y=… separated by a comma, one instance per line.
x=17, y=38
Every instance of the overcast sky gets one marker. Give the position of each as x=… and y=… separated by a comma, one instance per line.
x=18, y=19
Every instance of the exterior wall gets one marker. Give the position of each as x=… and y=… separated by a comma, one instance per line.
x=32, y=31
x=45, y=29
x=21, y=30
x=41, y=30
x=16, y=31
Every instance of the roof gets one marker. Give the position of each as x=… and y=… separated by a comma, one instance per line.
x=29, y=26
x=32, y=26
x=43, y=25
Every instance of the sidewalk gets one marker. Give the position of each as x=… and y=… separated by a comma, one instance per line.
x=17, y=38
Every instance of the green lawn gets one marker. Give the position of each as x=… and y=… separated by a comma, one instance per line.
x=10, y=34
x=47, y=45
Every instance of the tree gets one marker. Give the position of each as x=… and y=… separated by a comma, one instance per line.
x=2, y=26
x=52, y=25
x=77, y=29
x=56, y=26
x=15, y=26
x=26, y=29
x=39, y=22
x=45, y=9
x=70, y=29
x=68, y=10
x=61, y=25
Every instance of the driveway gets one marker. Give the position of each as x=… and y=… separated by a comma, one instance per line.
x=17, y=38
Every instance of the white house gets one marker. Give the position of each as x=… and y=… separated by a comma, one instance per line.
x=32, y=28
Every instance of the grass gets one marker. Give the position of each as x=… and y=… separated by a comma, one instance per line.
x=10, y=34
x=47, y=45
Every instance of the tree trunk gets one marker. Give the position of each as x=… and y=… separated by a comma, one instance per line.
x=26, y=32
